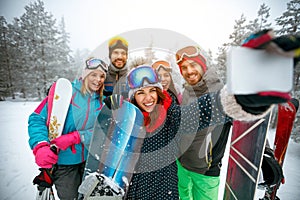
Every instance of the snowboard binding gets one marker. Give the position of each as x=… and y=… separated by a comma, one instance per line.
x=106, y=187
x=98, y=185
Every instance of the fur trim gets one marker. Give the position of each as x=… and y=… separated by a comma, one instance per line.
x=235, y=110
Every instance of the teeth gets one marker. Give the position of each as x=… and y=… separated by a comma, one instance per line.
x=192, y=76
x=148, y=104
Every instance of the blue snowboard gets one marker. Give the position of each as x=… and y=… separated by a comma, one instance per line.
x=114, y=151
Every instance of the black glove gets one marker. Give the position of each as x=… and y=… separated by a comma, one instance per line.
x=271, y=170
x=44, y=179
x=107, y=93
x=295, y=102
x=257, y=104
x=114, y=101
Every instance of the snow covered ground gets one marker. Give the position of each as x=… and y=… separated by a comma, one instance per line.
x=18, y=168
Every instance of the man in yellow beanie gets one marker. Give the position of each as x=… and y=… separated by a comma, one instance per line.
x=118, y=54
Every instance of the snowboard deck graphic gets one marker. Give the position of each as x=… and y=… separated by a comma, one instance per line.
x=58, y=105
x=285, y=122
x=59, y=99
x=113, y=152
x=245, y=158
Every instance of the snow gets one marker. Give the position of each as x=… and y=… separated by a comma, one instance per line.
x=18, y=167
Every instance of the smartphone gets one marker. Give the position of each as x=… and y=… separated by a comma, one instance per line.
x=250, y=71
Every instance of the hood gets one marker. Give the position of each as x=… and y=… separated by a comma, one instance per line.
x=210, y=82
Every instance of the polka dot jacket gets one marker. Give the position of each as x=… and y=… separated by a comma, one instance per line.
x=155, y=174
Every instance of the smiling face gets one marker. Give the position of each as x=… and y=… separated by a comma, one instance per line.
x=191, y=71
x=165, y=78
x=119, y=58
x=95, y=80
x=146, y=98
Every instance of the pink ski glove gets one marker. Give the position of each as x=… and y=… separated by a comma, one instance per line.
x=68, y=140
x=44, y=156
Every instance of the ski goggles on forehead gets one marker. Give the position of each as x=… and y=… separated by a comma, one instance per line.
x=137, y=76
x=161, y=63
x=190, y=51
x=118, y=42
x=94, y=63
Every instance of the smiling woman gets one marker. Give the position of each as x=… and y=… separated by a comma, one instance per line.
x=69, y=161
x=94, y=75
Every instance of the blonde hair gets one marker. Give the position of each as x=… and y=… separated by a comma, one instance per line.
x=85, y=89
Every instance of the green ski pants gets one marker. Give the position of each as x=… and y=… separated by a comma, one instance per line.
x=194, y=186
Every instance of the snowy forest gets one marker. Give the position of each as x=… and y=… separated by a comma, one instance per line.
x=34, y=50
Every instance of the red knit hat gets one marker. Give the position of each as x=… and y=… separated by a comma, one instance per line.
x=185, y=54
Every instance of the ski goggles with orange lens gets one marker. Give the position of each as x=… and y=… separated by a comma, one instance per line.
x=137, y=76
x=94, y=63
x=162, y=63
x=189, y=51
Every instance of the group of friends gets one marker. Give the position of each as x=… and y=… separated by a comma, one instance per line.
x=192, y=126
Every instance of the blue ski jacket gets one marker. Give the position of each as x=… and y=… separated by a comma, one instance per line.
x=81, y=116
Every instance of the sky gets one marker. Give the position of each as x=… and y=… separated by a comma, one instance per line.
x=18, y=168
x=92, y=22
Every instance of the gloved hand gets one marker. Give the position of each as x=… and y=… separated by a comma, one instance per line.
x=260, y=102
x=256, y=103
x=44, y=156
x=285, y=45
x=259, y=40
x=67, y=140
x=271, y=170
x=44, y=179
x=114, y=101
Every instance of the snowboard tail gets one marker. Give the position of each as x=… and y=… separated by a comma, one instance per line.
x=59, y=99
x=285, y=122
x=113, y=152
x=245, y=157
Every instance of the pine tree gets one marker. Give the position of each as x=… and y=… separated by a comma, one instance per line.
x=261, y=22
x=236, y=37
x=14, y=62
x=5, y=79
x=239, y=32
x=221, y=62
x=63, y=59
x=289, y=21
x=39, y=33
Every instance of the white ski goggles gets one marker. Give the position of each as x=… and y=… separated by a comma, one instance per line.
x=94, y=63
x=189, y=51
